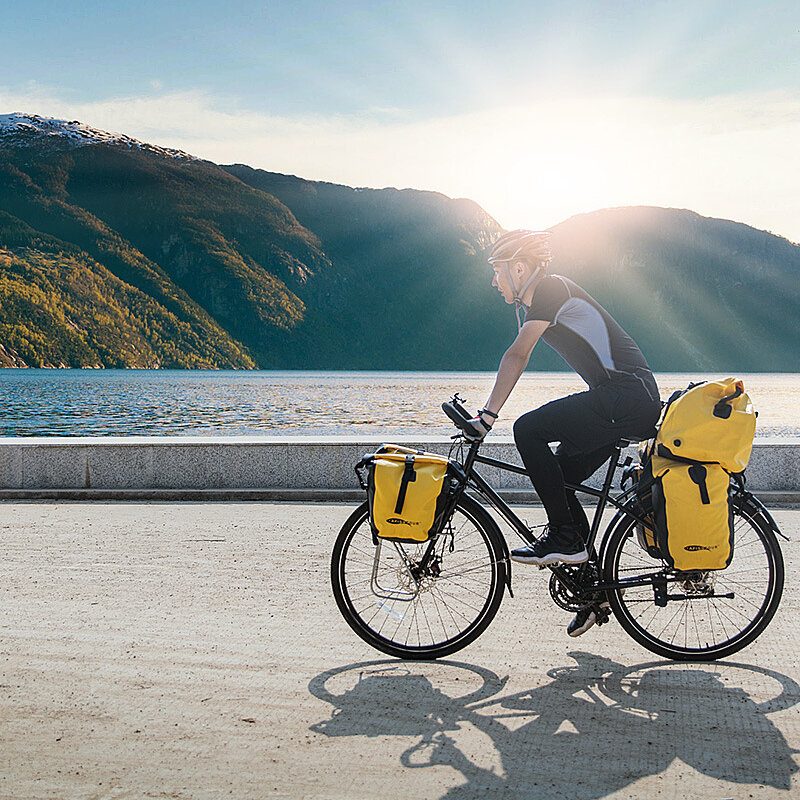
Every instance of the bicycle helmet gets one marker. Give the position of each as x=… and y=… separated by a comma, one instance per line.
x=531, y=247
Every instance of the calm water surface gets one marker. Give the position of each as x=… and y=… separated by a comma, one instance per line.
x=159, y=402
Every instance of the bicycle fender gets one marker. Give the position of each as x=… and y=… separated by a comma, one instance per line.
x=758, y=507
x=615, y=520
x=507, y=557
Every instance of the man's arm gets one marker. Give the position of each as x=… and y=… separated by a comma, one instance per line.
x=513, y=364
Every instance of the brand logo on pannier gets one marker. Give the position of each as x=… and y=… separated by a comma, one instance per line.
x=398, y=521
x=692, y=548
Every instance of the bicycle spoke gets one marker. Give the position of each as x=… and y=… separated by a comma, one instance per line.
x=685, y=625
x=427, y=622
x=447, y=609
x=455, y=597
x=465, y=572
x=453, y=588
x=465, y=588
x=722, y=618
x=417, y=626
x=742, y=585
x=694, y=620
x=444, y=602
x=725, y=616
x=439, y=614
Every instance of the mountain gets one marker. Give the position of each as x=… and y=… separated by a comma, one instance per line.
x=411, y=287
x=232, y=261
x=60, y=307
x=222, y=257
x=115, y=252
x=694, y=292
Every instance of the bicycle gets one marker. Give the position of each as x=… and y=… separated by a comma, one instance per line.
x=429, y=600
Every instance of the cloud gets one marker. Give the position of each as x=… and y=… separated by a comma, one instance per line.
x=530, y=164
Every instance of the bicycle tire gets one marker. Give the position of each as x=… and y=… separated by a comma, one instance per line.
x=746, y=518
x=489, y=536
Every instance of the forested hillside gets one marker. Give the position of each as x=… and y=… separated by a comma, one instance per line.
x=695, y=292
x=114, y=252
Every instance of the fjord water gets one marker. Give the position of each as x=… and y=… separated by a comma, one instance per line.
x=235, y=403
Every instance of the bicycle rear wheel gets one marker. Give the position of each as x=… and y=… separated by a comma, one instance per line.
x=405, y=610
x=700, y=627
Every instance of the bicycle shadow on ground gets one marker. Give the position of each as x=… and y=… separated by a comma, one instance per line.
x=597, y=727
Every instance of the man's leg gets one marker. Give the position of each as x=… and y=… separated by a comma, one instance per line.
x=583, y=426
x=576, y=468
x=579, y=423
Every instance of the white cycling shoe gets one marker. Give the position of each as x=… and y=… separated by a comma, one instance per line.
x=561, y=544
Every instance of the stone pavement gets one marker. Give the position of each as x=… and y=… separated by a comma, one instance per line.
x=179, y=650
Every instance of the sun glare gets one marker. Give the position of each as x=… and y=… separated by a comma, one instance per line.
x=542, y=165
x=530, y=165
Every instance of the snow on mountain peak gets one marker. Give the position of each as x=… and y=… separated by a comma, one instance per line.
x=22, y=128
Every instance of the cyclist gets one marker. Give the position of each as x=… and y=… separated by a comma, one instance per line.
x=622, y=399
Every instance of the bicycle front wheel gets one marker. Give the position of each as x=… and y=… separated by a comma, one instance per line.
x=719, y=612
x=420, y=601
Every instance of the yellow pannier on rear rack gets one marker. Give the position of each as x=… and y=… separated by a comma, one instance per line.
x=706, y=434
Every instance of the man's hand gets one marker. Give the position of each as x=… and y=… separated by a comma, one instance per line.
x=480, y=427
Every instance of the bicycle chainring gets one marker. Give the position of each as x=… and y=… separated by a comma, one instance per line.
x=567, y=599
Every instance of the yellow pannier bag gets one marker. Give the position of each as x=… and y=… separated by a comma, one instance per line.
x=712, y=422
x=407, y=491
x=705, y=434
x=692, y=515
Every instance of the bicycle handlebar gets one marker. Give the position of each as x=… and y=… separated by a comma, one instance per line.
x=459, y=416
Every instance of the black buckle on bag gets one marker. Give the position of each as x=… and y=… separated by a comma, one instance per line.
x=408, y=476
x=698, y=474
x=722, y=409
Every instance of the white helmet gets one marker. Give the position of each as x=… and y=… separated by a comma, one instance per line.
x=531, y=247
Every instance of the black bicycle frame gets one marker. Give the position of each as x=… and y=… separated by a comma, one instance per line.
x=575, y=581
x=603, y=495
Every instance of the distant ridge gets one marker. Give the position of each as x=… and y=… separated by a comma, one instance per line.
x=116, y=252
x=696, y=292
x=30, y=129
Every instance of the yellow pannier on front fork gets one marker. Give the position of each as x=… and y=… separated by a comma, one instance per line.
x=407, y=492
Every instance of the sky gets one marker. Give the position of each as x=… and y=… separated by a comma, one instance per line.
x=535, y=110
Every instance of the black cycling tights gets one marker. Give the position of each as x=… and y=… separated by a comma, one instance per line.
x=587, y=425
x=548, y=471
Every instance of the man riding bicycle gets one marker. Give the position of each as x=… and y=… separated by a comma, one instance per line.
x=622, y=399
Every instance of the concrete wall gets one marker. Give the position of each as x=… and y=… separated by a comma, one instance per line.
x=271, y=468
